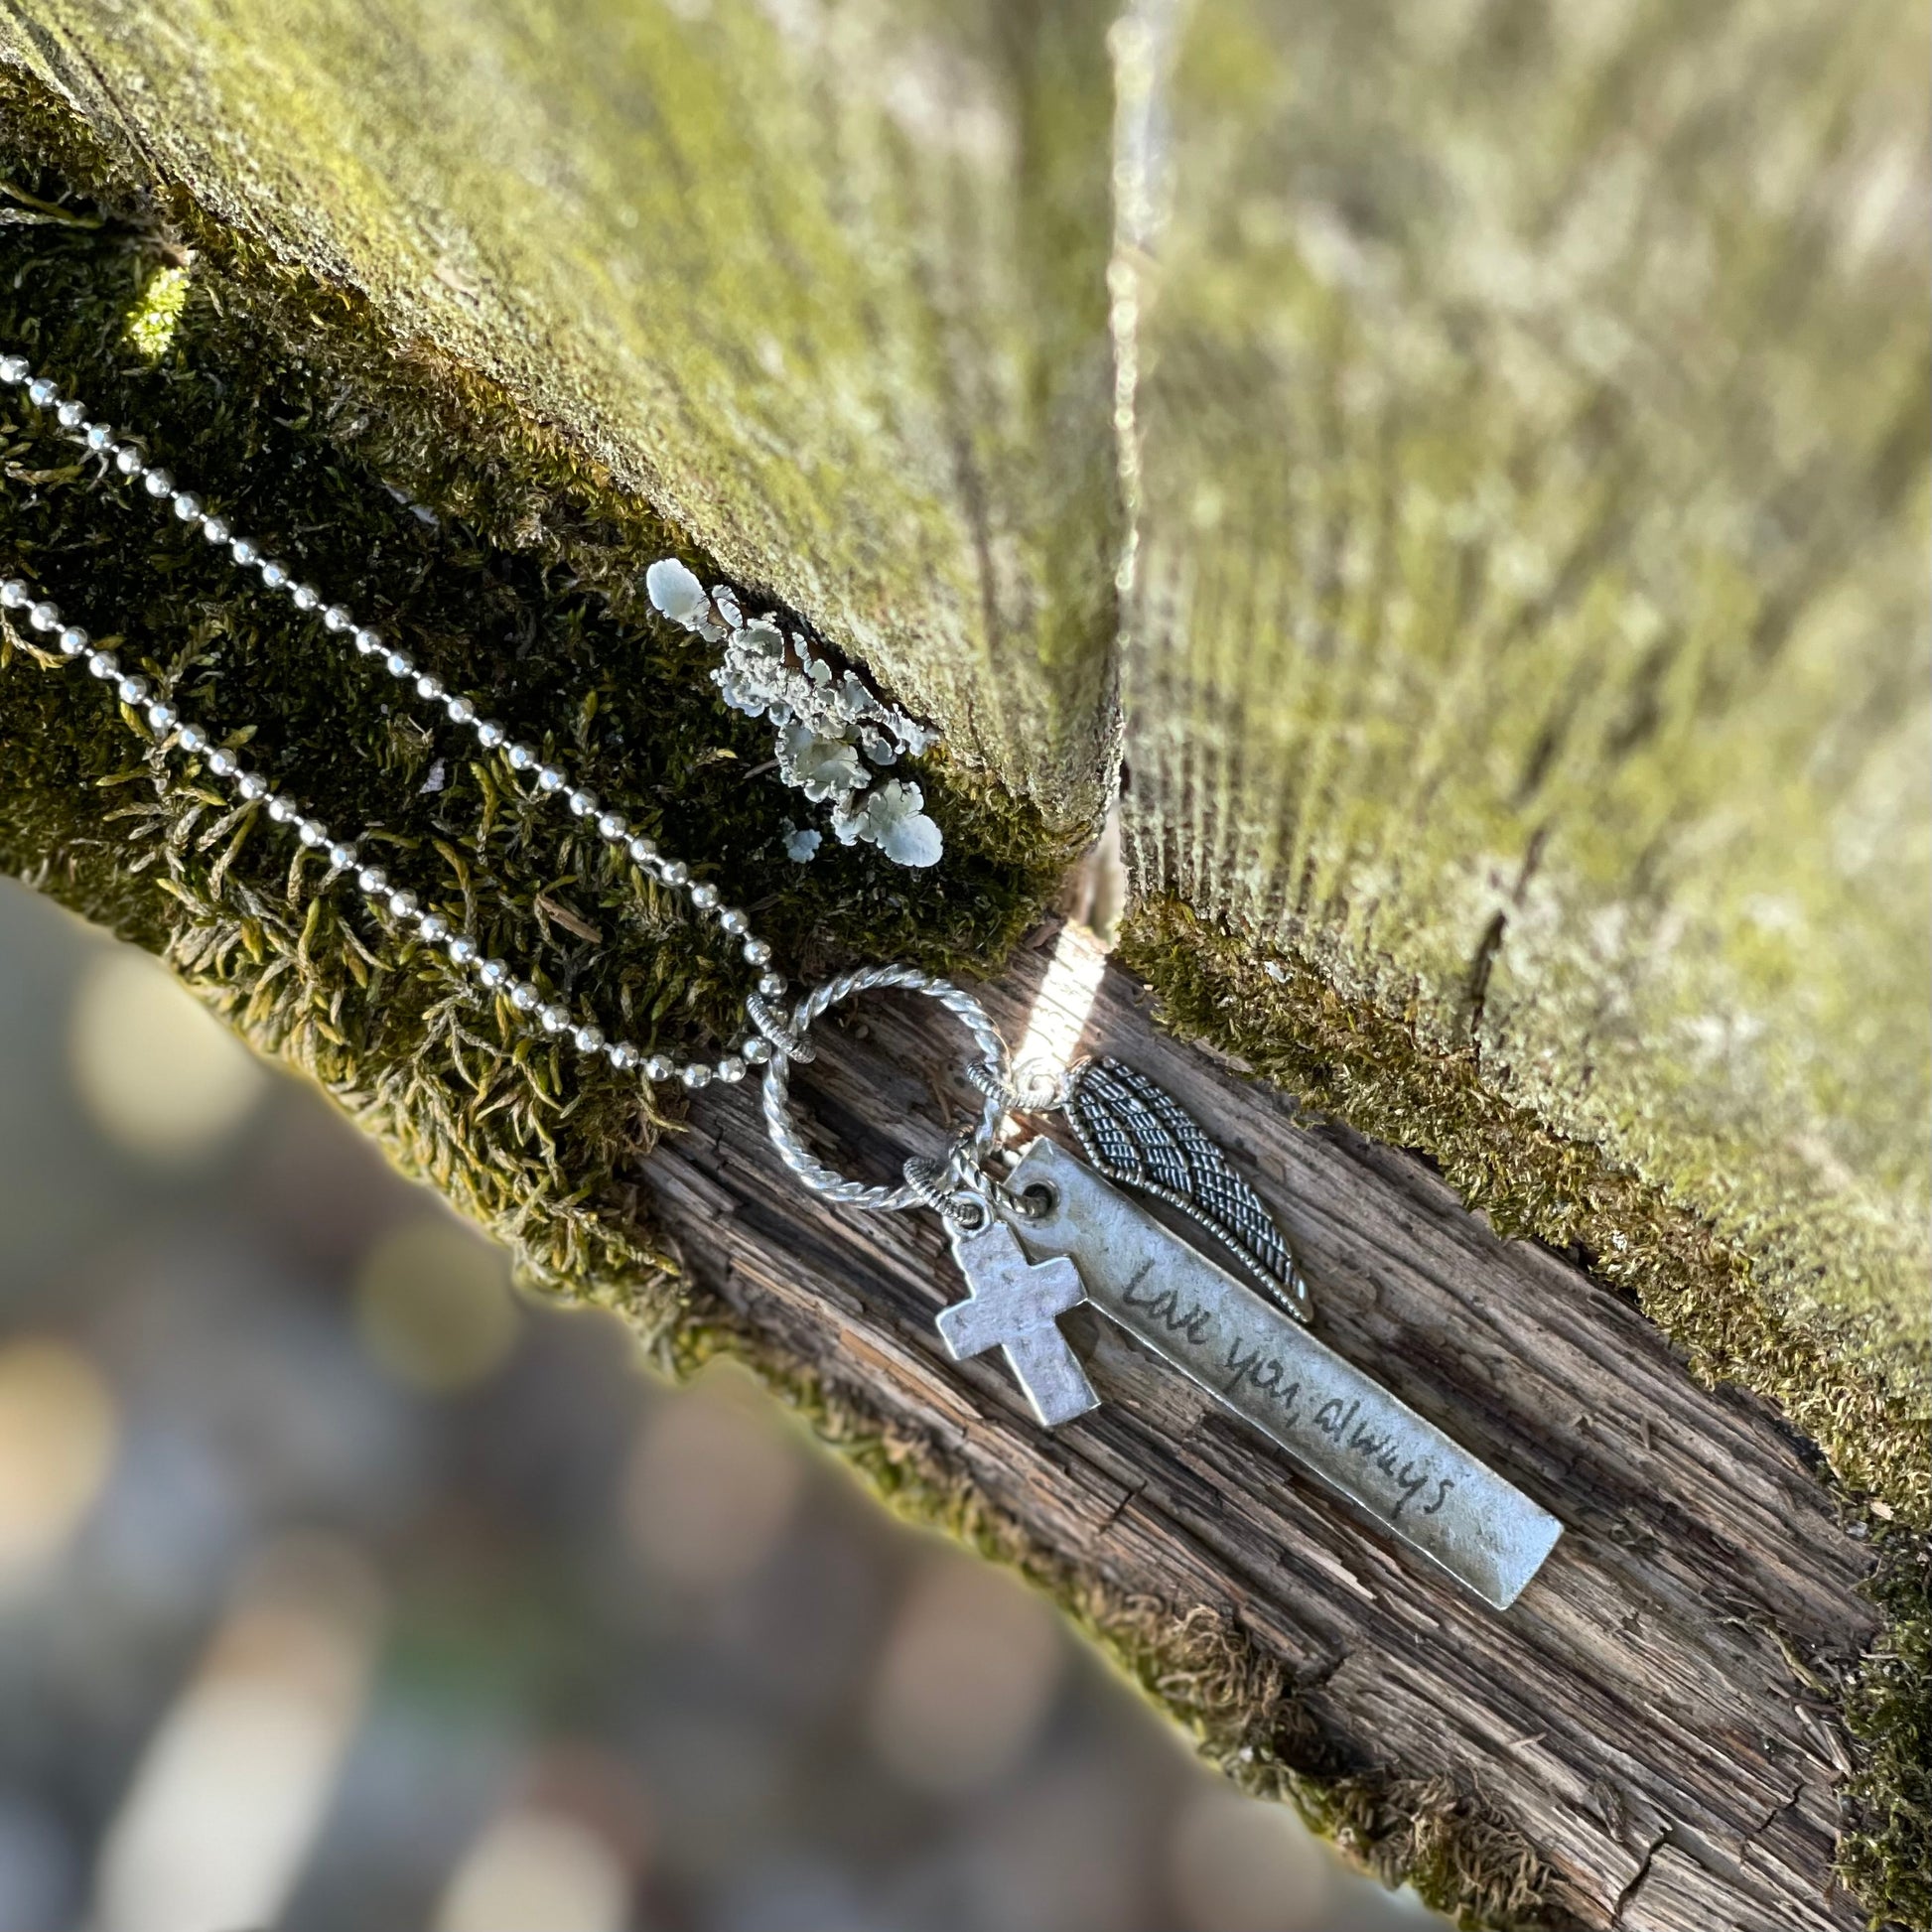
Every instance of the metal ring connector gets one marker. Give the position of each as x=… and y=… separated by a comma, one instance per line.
x=778, y=1123
x=957, y=1186
x=1021, y=1092
x=931, y=1180
x=785, y=1042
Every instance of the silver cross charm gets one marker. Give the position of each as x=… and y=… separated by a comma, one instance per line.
x=1014, y=1304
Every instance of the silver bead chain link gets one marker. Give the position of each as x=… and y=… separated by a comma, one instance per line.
x=343, y=858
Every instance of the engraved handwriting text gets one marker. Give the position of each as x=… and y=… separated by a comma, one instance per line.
x=1165, y=1307
x=1247, y=1365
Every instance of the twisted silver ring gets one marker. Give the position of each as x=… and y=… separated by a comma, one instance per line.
x=793, y=1151
x=1042, y=1093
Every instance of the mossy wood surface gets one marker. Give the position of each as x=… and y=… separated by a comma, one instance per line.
x=1647, y=1740
x=1529, y=646
x=1525, y=737
x=825, y=286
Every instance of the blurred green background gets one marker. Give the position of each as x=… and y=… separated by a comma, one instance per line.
x=340, y=1585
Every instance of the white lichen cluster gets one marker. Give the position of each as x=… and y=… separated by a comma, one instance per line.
x=832, y=731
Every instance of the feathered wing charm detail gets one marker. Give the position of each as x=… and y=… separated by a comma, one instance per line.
x=1138, y=1134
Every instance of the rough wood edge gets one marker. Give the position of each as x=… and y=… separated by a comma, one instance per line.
x=838, y=1318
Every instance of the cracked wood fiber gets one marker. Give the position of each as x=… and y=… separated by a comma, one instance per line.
x=1644, y=1722
x=1522, y=654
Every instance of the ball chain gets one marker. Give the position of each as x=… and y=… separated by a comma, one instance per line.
x=129, y=458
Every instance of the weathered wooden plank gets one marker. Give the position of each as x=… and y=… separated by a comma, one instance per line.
x=1639, y=1690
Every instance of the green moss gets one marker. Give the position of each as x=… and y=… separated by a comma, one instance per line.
x=1357, y=1064
x=865, y=371
x=1529, y=630
x=157, y=312
x=505, y=561
x=1886, y=1853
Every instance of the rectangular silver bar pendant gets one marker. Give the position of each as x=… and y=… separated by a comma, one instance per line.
x=1398, y=1469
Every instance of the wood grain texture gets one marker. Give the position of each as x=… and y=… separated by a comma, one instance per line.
x=1635, y=1715
x=1530, y=624
x=825, y=285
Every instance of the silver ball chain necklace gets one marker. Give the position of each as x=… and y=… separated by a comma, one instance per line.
x=183, y=738
x=1034, y=1241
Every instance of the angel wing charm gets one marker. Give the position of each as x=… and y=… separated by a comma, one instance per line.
x=1138, y=1136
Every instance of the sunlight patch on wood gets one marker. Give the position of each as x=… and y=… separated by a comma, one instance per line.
x=1058, y=1022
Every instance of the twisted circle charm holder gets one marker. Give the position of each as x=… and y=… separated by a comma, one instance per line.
x=927, y=1183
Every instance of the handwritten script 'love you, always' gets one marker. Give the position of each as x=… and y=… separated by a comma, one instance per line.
x=1247, y=1365
x=1360, y=1439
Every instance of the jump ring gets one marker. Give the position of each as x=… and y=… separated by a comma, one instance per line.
x=931, y=1180
x=1042, y=1093
x=938, y=1187
x=778, y=1123
x=786, y=1042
